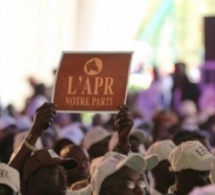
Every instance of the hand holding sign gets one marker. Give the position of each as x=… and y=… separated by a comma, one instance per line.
x=123, y=124
x=43, y=118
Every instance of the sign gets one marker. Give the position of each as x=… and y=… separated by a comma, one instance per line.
x=93, y=81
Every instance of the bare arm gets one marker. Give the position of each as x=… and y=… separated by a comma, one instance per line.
x=43, y=117
x=123, y=125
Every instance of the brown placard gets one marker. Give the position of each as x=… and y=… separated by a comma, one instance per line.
x=91, y=81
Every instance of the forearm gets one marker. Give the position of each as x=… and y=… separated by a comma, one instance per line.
x=19, y=158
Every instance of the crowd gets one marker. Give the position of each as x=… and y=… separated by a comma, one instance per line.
x=162, y=145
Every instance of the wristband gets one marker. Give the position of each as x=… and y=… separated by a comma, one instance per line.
x=29, y=146
x=123, y=151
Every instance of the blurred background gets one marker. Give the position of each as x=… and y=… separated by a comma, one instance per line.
x=34, y=34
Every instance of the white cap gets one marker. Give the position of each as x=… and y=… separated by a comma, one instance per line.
x=6, y=121
x=94, y=164
x=112, y=162
x=162, y=149
x=190, y=155
x=206, y=190
x=139, y=134
x=10, y=177
x=73, y=133
x=95, y=135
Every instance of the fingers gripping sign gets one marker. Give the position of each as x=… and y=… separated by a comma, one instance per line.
x=44, y=116
x=123, y=124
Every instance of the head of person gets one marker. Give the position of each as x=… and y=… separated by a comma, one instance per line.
x=161, y=174
x=44, y=173
x=119, y=174
x=180, y=68
x=82, y=171
x=9, y=180
x=191, y=162
x=70, y=134
x=185, y=135
x=137, y=139
x=163, y=120
x=96, y=141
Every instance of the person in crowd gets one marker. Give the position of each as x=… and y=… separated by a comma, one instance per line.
x=163, y=120
x=96, y=141
x=137, y=140
x=183, y=88
x=185, y=135
x=44, y=173
x=9, y=180
x=190, y=162
x=209, y=126
x=38, y=98
x=151, y=100
x=42, y=119
x=70, y=134
x=82, y=171
x=120, y=174
x=162, y=177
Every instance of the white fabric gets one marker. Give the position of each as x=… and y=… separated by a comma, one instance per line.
x=206, y=190
x=10, y=177
x=95, y=135
x=162, y=149
x=73, y=133
x=190, y=155
x=112, y=162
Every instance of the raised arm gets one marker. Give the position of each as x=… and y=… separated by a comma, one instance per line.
x=123, y=124
x=42, y=119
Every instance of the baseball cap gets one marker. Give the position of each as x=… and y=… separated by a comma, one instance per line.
x=139, y=134
x=10, y=177
x=162, y=149
x=190, y=155
x=113, y=161
x=73, y=133
x=46, y=157
x=95, y=135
